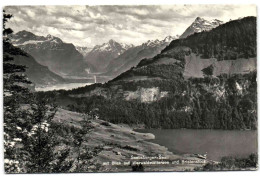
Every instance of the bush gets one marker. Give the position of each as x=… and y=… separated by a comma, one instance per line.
x=138, y=168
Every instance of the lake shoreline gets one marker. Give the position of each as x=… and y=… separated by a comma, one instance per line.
x=201, y=141
x=64, y=86
x=142, y=127
x=120, y=143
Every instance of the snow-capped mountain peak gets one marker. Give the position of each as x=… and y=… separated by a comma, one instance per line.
x=156, y=42
x=170, y=38
x=152, y=43
x=127, y=46
x=26, y=37
x=60, y=57
x=199, y=25
x=83, y=50
x=112, y=46
x=101, y=55
x=216, y=22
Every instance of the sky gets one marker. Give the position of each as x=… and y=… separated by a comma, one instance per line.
x=93, y=25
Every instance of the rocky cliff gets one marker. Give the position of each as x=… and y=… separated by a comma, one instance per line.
x=202, y=81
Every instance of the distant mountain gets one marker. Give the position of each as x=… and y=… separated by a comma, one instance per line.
x=83, y=50
x=200, y=25
x=205, y=81
x=37, y=73
x=228, y=52
x=134, y=55
x=61, y=58
x=101, y=55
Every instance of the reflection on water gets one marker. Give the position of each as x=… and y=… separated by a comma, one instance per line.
x=217, y=143
x=67, y=86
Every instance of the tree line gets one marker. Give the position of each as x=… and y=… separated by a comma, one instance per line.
x=192, y=103
x=31, y=138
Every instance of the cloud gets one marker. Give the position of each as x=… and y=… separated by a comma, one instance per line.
x=92, y=25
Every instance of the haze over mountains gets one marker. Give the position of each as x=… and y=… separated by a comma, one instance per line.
x=101, y=55
x=84, y=97
x=134, y=55
x=108, y=59
x=83, y=50
x=112, y=63
x=37, y=73
x=203, y=81
x=226, y=50
x=61, y=58
x=151, y=48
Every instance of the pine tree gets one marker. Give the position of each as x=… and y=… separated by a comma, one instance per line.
x=29, y=138
x=40, y=140
x=14, y=79
x=14, y=93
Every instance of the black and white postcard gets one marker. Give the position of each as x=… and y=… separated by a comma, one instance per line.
x=129, y=88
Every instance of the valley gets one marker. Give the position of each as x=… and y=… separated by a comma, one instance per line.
x=104, y=61
x=177, y=103
x=191, y=87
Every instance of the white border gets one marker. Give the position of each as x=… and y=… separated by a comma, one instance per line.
x=125, y=2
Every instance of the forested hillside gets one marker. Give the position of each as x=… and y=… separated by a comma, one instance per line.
x=156, y=92
x=235, y=39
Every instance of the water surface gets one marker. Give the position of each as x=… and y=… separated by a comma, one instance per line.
x=67, y=86
x=217, y=143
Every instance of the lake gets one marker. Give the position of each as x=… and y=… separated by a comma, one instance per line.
x=217, y=143
x=67, y=86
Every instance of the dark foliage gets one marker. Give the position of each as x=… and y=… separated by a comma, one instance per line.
x=223, y=102
x=31, y=139
x=138, y=168
x=208, y=71
x=232, y=40
x=233, y=163
x=197, y=109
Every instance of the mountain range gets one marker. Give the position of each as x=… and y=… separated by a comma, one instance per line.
x=110, y=59
x=61, y=58
x=101, y=55
x=134, y=55
x=37, y=73
x=229, y=49
x=206, y=80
